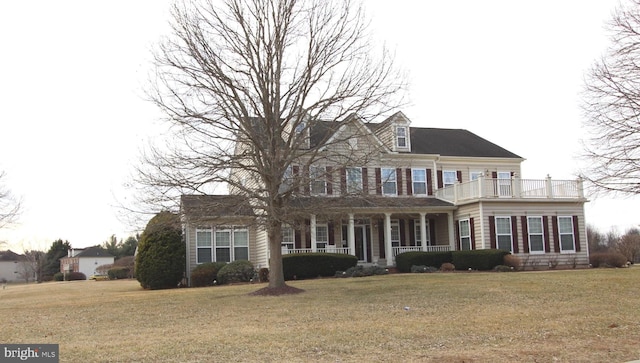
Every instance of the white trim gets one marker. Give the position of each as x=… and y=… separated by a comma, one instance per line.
x=504, y=234
x=573, y=237
x=541, y=234
x=391, y=178
x=468, y=235
x=413, y=181
x=455, y=177
x=346, y=176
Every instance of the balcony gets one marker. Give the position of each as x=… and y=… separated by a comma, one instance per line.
x=514, y=188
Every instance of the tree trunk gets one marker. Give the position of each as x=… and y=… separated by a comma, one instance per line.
x=276, y=273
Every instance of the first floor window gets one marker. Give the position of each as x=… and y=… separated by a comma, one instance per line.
x=240, y=244
x=288, y=241
x=395, y=233
x=389, y=186
x=465, y=235
x=565, y=229
x=204, y=245
x=223, y=245
x=536, y=234
x=419, y=177
x=503, y=233
x=418, y=233
x=449, y=177
x=322, y=236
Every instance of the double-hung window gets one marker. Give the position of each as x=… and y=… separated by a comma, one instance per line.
x=322, y=236
x=240, y=244
x=354, y=180
x=419, y=177
x=395, y=233
x=418, y=233
x=465, y=234
x=389, y=186
x=449, y=177
x=401, y=137
x=565, y=230
x=503, y=233
x=536, y=234
x=317, y=175
x=288, y=238
x=223, y=245
x=204, y=243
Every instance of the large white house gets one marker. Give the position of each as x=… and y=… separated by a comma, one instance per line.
x=427, y=189
x=85, y=260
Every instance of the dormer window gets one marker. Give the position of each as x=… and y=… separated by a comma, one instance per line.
x=401, y=137
x=300, y=127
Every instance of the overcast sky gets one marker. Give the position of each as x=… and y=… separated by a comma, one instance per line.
x=74, y=117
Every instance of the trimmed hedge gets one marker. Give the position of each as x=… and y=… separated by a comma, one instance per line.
x=405, y=260
x=119, y=272
x=607, y=259
x=206, y=273
x=236, y=271
x=75, y=276
x=483, y=260
x=311, y=265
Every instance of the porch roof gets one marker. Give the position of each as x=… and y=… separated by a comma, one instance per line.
x=376, y=203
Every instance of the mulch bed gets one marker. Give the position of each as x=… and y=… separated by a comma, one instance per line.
x=276, y=291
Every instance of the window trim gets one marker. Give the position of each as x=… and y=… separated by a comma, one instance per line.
x=290, y=233
x=444, y=179
x=351, y=185
x=414, y=182
x=391, y=178
x=416, y=232
x=404, y=137
x=209, y=247
x=541, y=233
x=395, y=223
x=326, y=242
x=504, y=234
x=560, y=234
x=319, y=176
x=465, y=236
x=475, y=173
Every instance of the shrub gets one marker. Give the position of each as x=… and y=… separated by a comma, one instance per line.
x=405, y=260
x=58, y=276
x=361, y=271
x=423, y=269
x=75, y=276
x=503, y=268
x=512, y=261
x=607, y=259
x=236, y=271
x=263, y=274
x=206, y=273
x=447, y=266
x=483, y=260
x=160, y=261
x=311, y=265
x=119, y=273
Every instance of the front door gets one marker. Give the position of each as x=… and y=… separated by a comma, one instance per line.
x=362, y=242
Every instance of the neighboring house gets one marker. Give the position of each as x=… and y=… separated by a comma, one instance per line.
x=428, y=189
x=10, y=266
x=85, y=260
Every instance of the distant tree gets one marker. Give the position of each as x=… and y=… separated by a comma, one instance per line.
x=58, y=250
x=629, y=245
x=10, y=206
x=597, y=240
x=160, y=261
x=30, y=267
x=112, y=246
x=128, y=247
x=612, y=108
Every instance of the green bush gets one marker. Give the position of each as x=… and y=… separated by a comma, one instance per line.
x=423, y=269
x=236, y=271
x=483, y=260
x=607, y=259
x=503, y=268
x=75, y=276
x=311, y=265
x=160, y=261
x=206, y=273
x=58, y=276
x=405, y=260
x=119, y=273
x=361, y=271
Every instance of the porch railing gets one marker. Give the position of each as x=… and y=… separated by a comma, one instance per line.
x=342, y=250
x=482, y=188
x=403, y=249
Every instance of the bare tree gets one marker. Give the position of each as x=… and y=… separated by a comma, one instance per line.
x=244, y=82
x=9, y=204
x=629, y=245
x=30, y=266
x=611, y=104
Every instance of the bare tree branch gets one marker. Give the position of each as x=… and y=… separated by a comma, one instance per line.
x=10, y=206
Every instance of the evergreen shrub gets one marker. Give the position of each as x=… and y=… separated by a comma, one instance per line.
x=311, y=265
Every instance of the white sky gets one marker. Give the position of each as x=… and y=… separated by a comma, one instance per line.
x=73, y=114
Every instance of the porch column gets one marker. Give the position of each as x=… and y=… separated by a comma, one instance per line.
x=312, y=226
x=387, y=239
x=351, y=236
x=423, y=230
x=452, y=236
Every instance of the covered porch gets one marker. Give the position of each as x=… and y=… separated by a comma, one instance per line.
x=376, y=233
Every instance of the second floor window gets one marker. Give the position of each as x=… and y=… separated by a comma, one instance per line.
x=389, y=186
x=317, y=175
x=419, y=181
x=354, y=180
x=401, y=136
x=449, y=177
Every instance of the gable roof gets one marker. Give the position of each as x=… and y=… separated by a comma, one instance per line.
x=95, y=251
x=9, y=255
x=215, y=205
x=454, y=142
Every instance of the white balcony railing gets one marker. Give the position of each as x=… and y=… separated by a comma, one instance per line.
x=482, y=188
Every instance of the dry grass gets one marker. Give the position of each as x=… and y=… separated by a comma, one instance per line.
x=566, y=316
